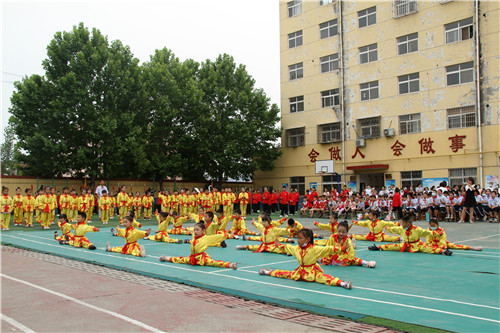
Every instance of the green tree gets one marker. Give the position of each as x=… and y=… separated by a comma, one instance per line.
x=8, y=148
x=236, y=127
x=173, y=104
x=85, y=115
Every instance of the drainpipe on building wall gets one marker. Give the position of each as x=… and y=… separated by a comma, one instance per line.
x=478, y=93
x=341, y=88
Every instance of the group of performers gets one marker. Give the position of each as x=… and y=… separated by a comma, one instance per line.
x=311, y=251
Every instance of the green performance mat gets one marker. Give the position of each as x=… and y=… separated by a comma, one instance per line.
x=457, y=293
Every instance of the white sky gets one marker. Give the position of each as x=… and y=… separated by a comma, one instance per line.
x=247, y=30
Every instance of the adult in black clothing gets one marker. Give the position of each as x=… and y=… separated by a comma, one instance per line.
x=470, y=200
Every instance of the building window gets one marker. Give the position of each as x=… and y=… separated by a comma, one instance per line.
x=294, y=8
x=367, y=17
x=461, y=73
x=330, y=182
x=408, y=43
x=409, y=123
x=411, y=179
x=298, y=183
x=368, y=53
x=296, y=104
x=370, y=127
x=329, y=63
x=324, y=2
x=296, y=71
x=460, y=175
x=460, y=30
x=409, y=83
x=330, y=98
x=404, y=7
x=330, y=133
x=461, y=117
x=369, y=90
x=295, y=137
x=328, y=29
x=295, y=39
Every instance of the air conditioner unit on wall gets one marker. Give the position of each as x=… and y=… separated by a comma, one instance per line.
x=389, y=132
x=360, y=142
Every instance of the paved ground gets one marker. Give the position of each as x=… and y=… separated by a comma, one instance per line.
x=45, y=293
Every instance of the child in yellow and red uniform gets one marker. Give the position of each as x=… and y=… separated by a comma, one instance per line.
x=243, y=198
x=83, y=203
x=239, y=228
x=331, y=226
x=227, y=202
x=307, y=255
x=131, y=236
x=376, y=228
x=122, y=201
x=199, y=245
x=38, y=210
x=147, y=203
x=29, y=205
x=18, y=207
x=52, y=217
x=7, y=205
x=213, y=227
x=91, y=205
x=411, y=239
x=81, y=228
x=206, y=200
x=73, y=206
x=64, y=202
x=174, y=201
x=162, y=233
x=438, y=239
x=164, y=199
x=46, y=204
x=270, y=236
x=216, y=199
x=137, y=203
x=105, y=205
x=177, y=222
x=66, y=228
x=183, y=202
x=349, y=256
x=113, y=205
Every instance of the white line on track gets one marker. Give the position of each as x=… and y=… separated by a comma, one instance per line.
x=219, y=273
x=468, y=240
x=16, y=324
x=271, y=263
x=112, y=313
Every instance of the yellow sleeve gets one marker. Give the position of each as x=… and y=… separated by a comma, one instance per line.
x=423, y=232
x=259, y=226
x=396, y=230
x=323, y=226
x=361, y=223
x=120, y=232
x=443, y=241
x=282, y=232
x=216, y=239
x=323, y=251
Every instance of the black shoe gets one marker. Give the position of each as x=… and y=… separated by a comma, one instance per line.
x=223, y=244
x=447, y=252
x=92, y=247
x=373, y=248
x=63, y=242
x=66, y=237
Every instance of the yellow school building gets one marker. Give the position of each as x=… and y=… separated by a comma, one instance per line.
x=379, y=93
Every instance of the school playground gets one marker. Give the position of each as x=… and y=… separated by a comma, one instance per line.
x=458, y=293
